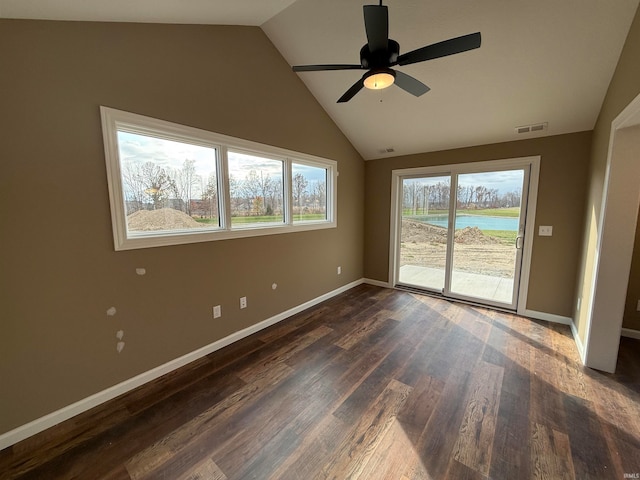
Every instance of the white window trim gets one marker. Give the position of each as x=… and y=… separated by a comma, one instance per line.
x=114, y=120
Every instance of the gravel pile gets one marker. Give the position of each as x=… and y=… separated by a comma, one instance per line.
x=162, y=219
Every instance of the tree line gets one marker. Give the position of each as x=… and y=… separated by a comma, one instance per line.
x=149, y=186
x=420, y=198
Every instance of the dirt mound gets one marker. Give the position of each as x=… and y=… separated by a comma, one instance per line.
x=473, y=236
x=162, y=219
x=418, y=232
x=425, y=246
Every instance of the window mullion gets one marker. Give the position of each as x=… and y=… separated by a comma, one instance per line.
x=224, y=185
x=288, y=193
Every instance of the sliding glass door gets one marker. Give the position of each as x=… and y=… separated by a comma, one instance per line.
x=461, y=233
x=424, y=231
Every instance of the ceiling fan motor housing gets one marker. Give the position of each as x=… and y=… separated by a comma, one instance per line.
x=381, y=58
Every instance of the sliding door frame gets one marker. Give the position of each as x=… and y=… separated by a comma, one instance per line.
x=532, y=163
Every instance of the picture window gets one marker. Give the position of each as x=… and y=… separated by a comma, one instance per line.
x=171, y=184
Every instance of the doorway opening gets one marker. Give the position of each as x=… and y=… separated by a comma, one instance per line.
x=607, y=278
x=463, y=231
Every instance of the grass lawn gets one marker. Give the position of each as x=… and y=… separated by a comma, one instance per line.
x=208, y=221
x=489, y=212
x=507, y=237
x=493, y=212
x=264, y=219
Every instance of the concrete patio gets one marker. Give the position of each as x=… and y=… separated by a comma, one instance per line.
x=485, y=287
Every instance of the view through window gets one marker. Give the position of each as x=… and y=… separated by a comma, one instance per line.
x=167, y=185
x=172, y=184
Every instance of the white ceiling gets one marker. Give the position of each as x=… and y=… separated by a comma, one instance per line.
x=543, y=61
x=213, y=12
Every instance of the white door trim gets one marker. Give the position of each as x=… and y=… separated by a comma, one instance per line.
x=615, y=240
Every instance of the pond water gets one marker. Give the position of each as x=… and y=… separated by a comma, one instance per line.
x=480, y=221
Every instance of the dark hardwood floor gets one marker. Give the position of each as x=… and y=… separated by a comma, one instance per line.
x=372, y=384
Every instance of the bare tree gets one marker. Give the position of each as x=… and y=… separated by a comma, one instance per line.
x=481, y=193
x=146, y=183
x=235, y=194
x=185, y=183
x=275, y=196
x=299, y=185
x=251, y=188
x=210, y=194
x=265, y=184
x=320, y=196
x=134, y=187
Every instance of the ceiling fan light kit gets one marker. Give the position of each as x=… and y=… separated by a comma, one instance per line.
x=380, y=53
x=379, y=79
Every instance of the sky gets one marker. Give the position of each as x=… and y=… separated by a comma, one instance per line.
x=504, y=181
x=139, y=149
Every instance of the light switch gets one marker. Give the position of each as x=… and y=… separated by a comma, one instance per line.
x=545, y=231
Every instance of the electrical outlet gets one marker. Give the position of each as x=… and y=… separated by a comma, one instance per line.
x=217, y=311
x=339, y=270
x=243, y=302
x=545, y=231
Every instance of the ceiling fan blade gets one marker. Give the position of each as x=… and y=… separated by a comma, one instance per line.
x=349, y=94
x=441, y=49
x=316, y=68
x=409, y=84
x=376, y=23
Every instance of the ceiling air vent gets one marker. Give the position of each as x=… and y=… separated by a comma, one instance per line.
x=538, y=127
x=387, y=150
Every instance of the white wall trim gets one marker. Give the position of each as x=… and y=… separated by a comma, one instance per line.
x=576, y=338
x=377, y=283
x=630, y=333
x=20, y=433
x=530, y=221
x=614, y=242
x=549, y=317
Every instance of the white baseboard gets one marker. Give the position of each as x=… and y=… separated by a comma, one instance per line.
x=549, y=317
x=630, y=333
x=376, y=283
x=20, y=433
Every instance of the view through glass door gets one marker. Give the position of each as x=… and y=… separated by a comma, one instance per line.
x=467, y=245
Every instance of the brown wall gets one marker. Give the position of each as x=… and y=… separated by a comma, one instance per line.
x=624, y=87
x=561, y=193
x=59, y=271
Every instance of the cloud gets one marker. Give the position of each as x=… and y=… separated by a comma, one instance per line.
x=138, y=149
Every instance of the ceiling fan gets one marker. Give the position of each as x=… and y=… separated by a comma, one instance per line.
x=381, y=53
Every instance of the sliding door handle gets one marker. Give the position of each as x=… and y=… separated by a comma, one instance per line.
x=519, y=242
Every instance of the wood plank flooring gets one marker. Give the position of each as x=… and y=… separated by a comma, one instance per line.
x=372, y=384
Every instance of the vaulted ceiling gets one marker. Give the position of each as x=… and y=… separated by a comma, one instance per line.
x=540, y=62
